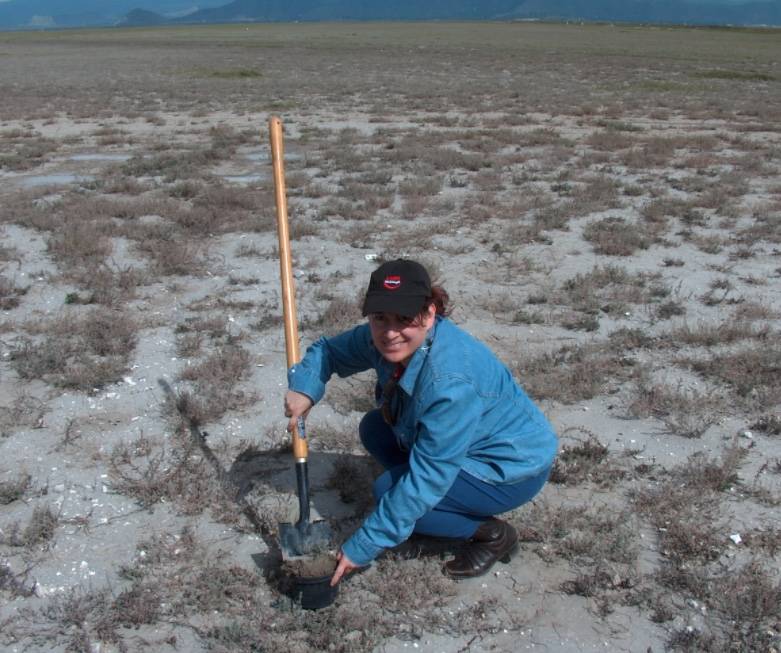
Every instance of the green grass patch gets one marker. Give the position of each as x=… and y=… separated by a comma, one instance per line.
x=662, y=86
x=619, y=125
x=282, y=105
x=230, y=73
x=746, y=76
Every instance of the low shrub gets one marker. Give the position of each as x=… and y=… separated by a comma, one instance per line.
x=10, y=293
x=574, y=374
x=587, y=461
x=37, y=533
x=214, y=382
x=683, y=411
x=14, y=489
x=616, y=237
x=751, y=371
x=82, y=352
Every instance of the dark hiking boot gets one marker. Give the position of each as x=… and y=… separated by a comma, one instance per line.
x=493, y=540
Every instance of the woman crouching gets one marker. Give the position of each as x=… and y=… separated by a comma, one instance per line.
x=459, y=440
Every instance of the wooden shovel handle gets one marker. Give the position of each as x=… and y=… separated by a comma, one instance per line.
x=286, y=266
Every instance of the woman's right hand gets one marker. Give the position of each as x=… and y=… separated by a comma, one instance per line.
x=296, y=405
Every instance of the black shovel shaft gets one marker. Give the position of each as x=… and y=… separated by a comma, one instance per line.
x=303, y=537
x=302, y=482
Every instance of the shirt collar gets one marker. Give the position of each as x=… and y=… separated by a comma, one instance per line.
x=407, y=382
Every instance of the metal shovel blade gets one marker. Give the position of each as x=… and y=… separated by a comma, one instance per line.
x=304, y=538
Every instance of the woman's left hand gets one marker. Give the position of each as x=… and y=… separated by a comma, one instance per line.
x=345, y=566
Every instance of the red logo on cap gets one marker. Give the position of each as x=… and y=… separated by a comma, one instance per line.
x=392, y=282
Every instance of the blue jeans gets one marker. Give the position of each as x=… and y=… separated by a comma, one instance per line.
x=469, y=501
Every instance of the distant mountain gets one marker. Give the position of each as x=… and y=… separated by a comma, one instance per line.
x=767, y=12
x=142, y=18
x=697, y=12
x=25, y=14
x=320, y=10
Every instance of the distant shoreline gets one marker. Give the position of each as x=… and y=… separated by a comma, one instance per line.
x=574, y=22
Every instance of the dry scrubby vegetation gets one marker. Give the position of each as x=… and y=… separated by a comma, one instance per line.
x=743, y=597
x=83, y=352
x=612, y=230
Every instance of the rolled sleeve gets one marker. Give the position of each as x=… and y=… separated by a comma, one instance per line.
x=348, y=353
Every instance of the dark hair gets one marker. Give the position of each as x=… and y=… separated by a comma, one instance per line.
x=440, y=299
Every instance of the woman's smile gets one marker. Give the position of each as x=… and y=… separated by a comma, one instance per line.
x=397, y=337
x=391, y=349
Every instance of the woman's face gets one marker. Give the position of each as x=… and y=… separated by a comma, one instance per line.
x=396, y=337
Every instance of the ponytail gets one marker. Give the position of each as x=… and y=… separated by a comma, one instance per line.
x=440, y=299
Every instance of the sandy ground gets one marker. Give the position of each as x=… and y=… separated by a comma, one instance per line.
x=65, y=441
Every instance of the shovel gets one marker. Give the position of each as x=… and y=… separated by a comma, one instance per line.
x=303, y=537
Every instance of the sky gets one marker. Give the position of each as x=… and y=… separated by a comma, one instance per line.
x=74, y=4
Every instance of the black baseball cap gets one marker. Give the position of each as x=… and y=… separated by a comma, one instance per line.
x=400, y=287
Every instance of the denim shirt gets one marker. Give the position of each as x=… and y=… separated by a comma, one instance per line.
x=459, y=409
